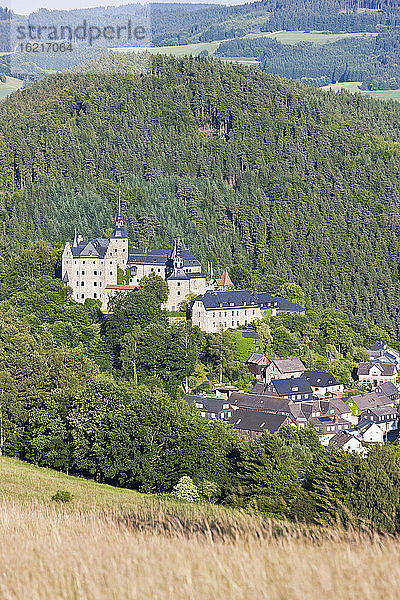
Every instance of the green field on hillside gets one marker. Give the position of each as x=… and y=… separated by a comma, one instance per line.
x=354, y=87
x=286, y=37
x=23, y=481
x=11, y=85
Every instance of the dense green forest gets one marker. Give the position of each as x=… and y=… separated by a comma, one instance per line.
x=246, y=168
x=374, y=61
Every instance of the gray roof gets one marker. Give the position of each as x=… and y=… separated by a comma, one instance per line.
x=255, y=358
x=180, y=274
x=267, y=301
x=291, y=386
x=258, y=421
x=244, y=299
x=249, y=334
x=272, y=404
x=370, y=400
x=381, y=411
x=339, y=404
x=210, y=404
x=94, y=249
x=320, y=378
x=157, y=256
x=386, y=369
x=289, y=365
x=340, y=439
x=388, y=388
x=260, y=388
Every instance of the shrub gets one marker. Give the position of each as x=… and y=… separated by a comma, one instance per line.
x=62, y=496
x=186, y=490
x=209, y=491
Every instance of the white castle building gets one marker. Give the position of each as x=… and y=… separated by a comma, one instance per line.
x=101, y=267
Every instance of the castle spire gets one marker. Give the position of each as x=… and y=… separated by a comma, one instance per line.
x=119, y=221
x=75, y=244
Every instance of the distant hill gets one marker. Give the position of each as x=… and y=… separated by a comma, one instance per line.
x=245, y=168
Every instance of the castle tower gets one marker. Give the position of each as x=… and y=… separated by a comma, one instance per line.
x=118, y=246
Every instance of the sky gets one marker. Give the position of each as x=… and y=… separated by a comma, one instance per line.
x=25, y=7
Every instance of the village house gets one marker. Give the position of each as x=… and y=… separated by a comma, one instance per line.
x=361, y=402
x=328, y=427
x=296, y=389
x=272, y=404
x=348, y=442
x=389, y=390
x=210, y=407
x=368, y=431
x=323, y=383
x=384, y=416
x=383, y=353
x=375, y=373
x=257, y=364
x=284, y=368
x=252, y=423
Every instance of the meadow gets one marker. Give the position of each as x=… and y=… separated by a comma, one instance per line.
x=11, y=85
x=109, y=544
x=354, y=87
x=286, y=37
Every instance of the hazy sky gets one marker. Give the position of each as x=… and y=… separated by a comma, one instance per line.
x=27, y=6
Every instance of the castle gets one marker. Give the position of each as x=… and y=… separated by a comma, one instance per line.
x=102, y=267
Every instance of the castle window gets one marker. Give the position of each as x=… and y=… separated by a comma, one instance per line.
x=84, y=262
x=77, y=272
x=179, y=283
x=123, y=250
x=100, y=284
x=82, y=283
x=110, y=272
x=82, y=295
x=83, y=272
x=94, y=272
x=178, y=293
x=95, y=283
x=95, y=295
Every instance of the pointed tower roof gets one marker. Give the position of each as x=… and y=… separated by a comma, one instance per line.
x=119, y=231
x=75, y=244
x=225, y=280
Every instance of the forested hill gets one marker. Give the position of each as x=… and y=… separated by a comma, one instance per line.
x=246, y=168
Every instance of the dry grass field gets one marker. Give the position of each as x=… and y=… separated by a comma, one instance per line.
x=77, y=552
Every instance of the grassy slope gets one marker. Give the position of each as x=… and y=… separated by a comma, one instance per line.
x=11, y=85
x=354, y=87
x=286, y=37
x=23, y=481
x=67, y=552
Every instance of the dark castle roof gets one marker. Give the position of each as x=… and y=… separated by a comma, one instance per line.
x=244, y=299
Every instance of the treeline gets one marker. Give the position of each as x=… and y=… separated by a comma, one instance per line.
x=371, y=60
